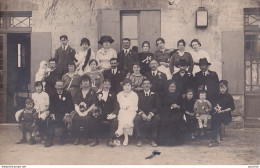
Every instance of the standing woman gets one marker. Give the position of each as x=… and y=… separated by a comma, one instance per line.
x=181, y=54
x=172, y=126
x=198, y=53
x=105, y=53
x=127, y=107
x=95, y=75
x=83, y=56
x=145, y=57
x=136, y=77
x=71, y=80
x=162, y=57
x=222, y=112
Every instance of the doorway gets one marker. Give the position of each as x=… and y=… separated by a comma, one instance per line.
x=18, y=71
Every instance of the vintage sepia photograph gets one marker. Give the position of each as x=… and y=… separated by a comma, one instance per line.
x=130, y=82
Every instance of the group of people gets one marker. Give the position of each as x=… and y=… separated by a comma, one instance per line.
x=163, y=96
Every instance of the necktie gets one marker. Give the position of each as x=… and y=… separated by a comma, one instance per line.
x=204, y=74
x=146, y=94
x=113, y=71
x=125, y=52
x=153, y=73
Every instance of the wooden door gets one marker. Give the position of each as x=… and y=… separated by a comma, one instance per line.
x=3, y=77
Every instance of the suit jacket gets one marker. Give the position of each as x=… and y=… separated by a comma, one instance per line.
x=115, y=79
x=183, y=82
x=63, y=58
x=107, y=106
x=211, y=83
x=125, y=62
x=51, y=81
x=159, y=81
x=60, y=106
x=150, y=103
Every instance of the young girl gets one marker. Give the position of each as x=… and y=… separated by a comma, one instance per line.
x=187, y=108
x=222, y=112
x=127, y=107
x=41, y=105
x=202, y=108
x=136, y=77
x=95, y=75
x=27, y=118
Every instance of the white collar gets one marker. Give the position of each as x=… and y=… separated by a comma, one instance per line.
x=66, y=46
x=156, y=71
x=148, y=92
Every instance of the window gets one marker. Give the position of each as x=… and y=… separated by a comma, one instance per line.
x=21, y=56
x=1, y=22
x=20, y=21
x=252, y=51
x=130, y=27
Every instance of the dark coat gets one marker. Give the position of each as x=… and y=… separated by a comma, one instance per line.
x=125, y=62
x=109, y=105
x=159, y=82
x=211, y=82
x=149, y=103
x=63, y=58
x=115, y=79
x=51, y=80
x=60, y=106
x=183, y=82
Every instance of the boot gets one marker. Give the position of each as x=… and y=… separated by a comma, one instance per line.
x=94, y=143
x=23, y=140
x=76, y=141
x=48, y=142
x=32, y=140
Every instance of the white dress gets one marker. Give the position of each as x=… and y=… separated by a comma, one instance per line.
x=196, y=56
x=128, y=107
x=41, y=100
x=103, y=57
x=80, y=56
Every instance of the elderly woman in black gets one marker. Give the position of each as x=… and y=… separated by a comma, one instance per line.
x=172, y=123
x=222, y=112
x=85, y=110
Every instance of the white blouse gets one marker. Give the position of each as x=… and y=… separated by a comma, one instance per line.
x=103, y=57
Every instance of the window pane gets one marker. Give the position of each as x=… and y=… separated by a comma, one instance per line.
x=129, y=26
x=20, y=21
x=1, y=22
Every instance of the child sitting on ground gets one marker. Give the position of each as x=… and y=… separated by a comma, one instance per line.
x=202, y=108
x=27, y=118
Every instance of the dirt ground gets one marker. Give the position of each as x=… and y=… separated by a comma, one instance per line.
x=239, y=147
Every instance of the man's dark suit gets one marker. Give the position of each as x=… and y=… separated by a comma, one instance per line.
x=59, y=105
x=108, y=107
x=51, y=80
x=125, y=62
x=63, y=58
x=210, y=81
x=159, y=82
x=148, y=104
x=115, y=79
x=183, y=82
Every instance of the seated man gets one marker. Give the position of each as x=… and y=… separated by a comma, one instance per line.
x=61, y=105
x=115, y=75
x=107, y=100
x=148, y=113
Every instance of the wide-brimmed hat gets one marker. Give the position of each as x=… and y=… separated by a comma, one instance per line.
x=105, y=38
x=182, y=62
x=204, y=61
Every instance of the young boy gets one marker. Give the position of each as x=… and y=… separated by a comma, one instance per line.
x=202, y=108
x=27, y=118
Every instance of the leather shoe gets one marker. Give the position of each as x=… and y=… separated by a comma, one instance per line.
x=32, y=141
x=110, y=143
x=139, y=143
x=48, y=143
x=22, y=141
x=94, y=143
x=76, y=141
x=154, y=144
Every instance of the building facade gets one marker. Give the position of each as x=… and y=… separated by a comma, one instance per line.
x=30, y=31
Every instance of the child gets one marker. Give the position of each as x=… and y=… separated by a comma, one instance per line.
x=222, y=112
x=202, y=107
x=188, y=109
x=27, y=118
x=42, y=73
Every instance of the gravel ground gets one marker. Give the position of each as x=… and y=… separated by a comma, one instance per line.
x=239, y=147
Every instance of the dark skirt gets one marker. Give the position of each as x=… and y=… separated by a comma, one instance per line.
x=172, y=128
